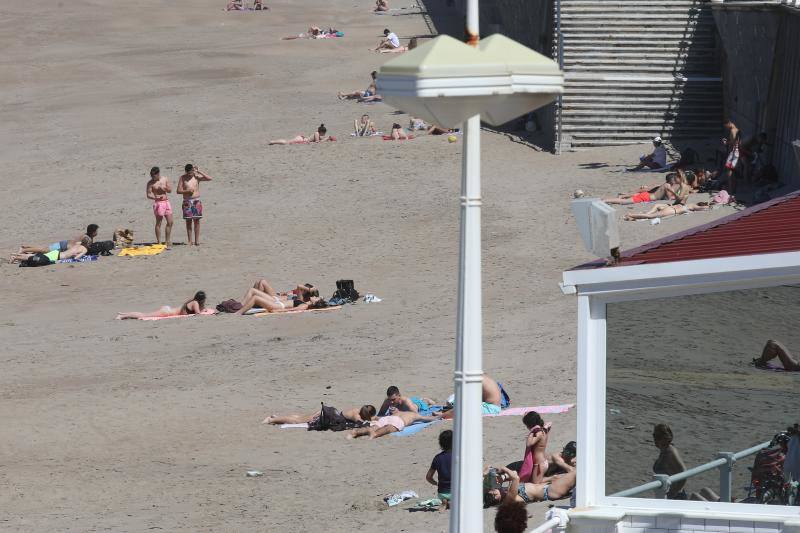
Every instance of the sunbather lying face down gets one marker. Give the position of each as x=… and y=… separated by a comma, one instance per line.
x=390, y=424
x=551, y=489
x=192, y=307
x=318, y=136
x=356, y=414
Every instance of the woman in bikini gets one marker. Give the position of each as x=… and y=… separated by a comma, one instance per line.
x=671, y=189
x=273, y=302
x=551, y=489
x=193, y=307
x=398, y=133
x=775, y=349
x=318, y=136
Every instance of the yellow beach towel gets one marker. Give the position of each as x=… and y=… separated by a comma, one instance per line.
x=153, y=249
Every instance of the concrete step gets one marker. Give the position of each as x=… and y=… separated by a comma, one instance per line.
x=619, y=107
x=635, y=47
x=606, y=37
x=644, y=53
x=633, y=130
x=667, y=24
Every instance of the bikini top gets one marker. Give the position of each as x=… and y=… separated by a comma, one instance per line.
x=536, y=429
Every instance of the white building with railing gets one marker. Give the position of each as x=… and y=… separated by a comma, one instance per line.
x=667, y=336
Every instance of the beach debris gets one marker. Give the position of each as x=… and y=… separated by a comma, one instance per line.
x=254, y=473
x=400, y=497
x=371, y=298
x=615, y=411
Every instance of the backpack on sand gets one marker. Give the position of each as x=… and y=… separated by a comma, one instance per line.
x=36, y=260
x=331, y=419
x=101, y=248
x=345, y=292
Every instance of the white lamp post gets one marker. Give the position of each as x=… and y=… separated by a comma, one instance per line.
x=448, y=83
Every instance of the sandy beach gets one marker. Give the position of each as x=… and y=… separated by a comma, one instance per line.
x=135, y=426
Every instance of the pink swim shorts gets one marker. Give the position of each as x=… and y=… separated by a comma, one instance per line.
x=395, y=421
x=162, y=208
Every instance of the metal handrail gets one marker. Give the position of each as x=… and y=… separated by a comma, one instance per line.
x=546, y=526
x=724, y=463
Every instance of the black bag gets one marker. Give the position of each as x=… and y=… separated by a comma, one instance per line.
x=229, y=306
x=101, y=248
x=36, y=260
x=345, y=291
x=331, y=419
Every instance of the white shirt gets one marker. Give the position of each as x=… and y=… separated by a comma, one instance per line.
x=660, y=156
x=392, y=37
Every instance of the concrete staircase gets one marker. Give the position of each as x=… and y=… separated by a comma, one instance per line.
x=635, y=69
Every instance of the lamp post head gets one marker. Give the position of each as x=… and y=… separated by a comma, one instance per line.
x=446, y=81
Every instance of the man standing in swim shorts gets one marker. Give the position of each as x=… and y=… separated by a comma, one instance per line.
x=192, y=208
x=157, y=189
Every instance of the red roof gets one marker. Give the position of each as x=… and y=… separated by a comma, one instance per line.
x=770, y=227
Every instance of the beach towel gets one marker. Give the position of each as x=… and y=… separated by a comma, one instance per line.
x=206, y=311
x=332, y=308
x=376, y=134
x=414, y=428
x=152, y=249
x=304, y=425
x=541, y=409
x=84, y=259
x=389, y=138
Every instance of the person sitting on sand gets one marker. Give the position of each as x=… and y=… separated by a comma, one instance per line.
x=669, y=461
x=74, y=252
x=371, y=90
x=381, y=5
x=398, y=133
x=397, y=402
x=392, y=423
x=234, y=5
x=364, y=127
x=656, y=159
x=364, y=413
x=62, y=246
x=318, y=136
x=416, y=124
x=567, y=456
x=775, y=349
x=277, y=304
x=552, y=489
x=192, y=307
x=535, y=463
x=390, y=41
x=258, y=5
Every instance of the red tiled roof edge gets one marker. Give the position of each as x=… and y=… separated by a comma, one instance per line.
x=597, y=263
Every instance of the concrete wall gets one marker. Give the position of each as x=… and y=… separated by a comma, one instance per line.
x=675, y=523
x=761, y=74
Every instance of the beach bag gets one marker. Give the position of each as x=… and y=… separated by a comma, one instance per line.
x=229, y=306
x=345, y=291
x=101, y=248
x=36, y=260
x=330, y=419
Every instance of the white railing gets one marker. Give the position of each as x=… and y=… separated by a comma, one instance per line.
x=557, y=520
x=789, y=3
x=724, y=463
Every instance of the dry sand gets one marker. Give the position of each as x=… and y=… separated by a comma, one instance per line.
x=132, y=426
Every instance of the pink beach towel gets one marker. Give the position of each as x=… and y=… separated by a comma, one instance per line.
x=541, y=409
x=528, y=462
x=203, y=312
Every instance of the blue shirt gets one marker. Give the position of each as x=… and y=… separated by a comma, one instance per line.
x=442, y=464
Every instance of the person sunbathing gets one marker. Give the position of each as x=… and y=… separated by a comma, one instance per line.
x=438, y=130
x=397, y=402
x=364, y=413
x=416, y=124
x=234, y=5
x=62, y=246
x=318, y=136
x=192, y=307
x=303, y=292
x=668, y=211
x=364, y=127
x=669, y=190
x=371, y=90
x=398, y=133
x=74, y=252
x=258, y=5
x=775, y=349
x=381, y=5
x=392, y=423
x=551, y=489
x=277, y=304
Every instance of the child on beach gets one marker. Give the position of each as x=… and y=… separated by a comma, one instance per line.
x=535, y=463
x=192, y=207
x=193, y=307
x=441, y=466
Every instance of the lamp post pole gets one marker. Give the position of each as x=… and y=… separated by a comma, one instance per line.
x=466, y=514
